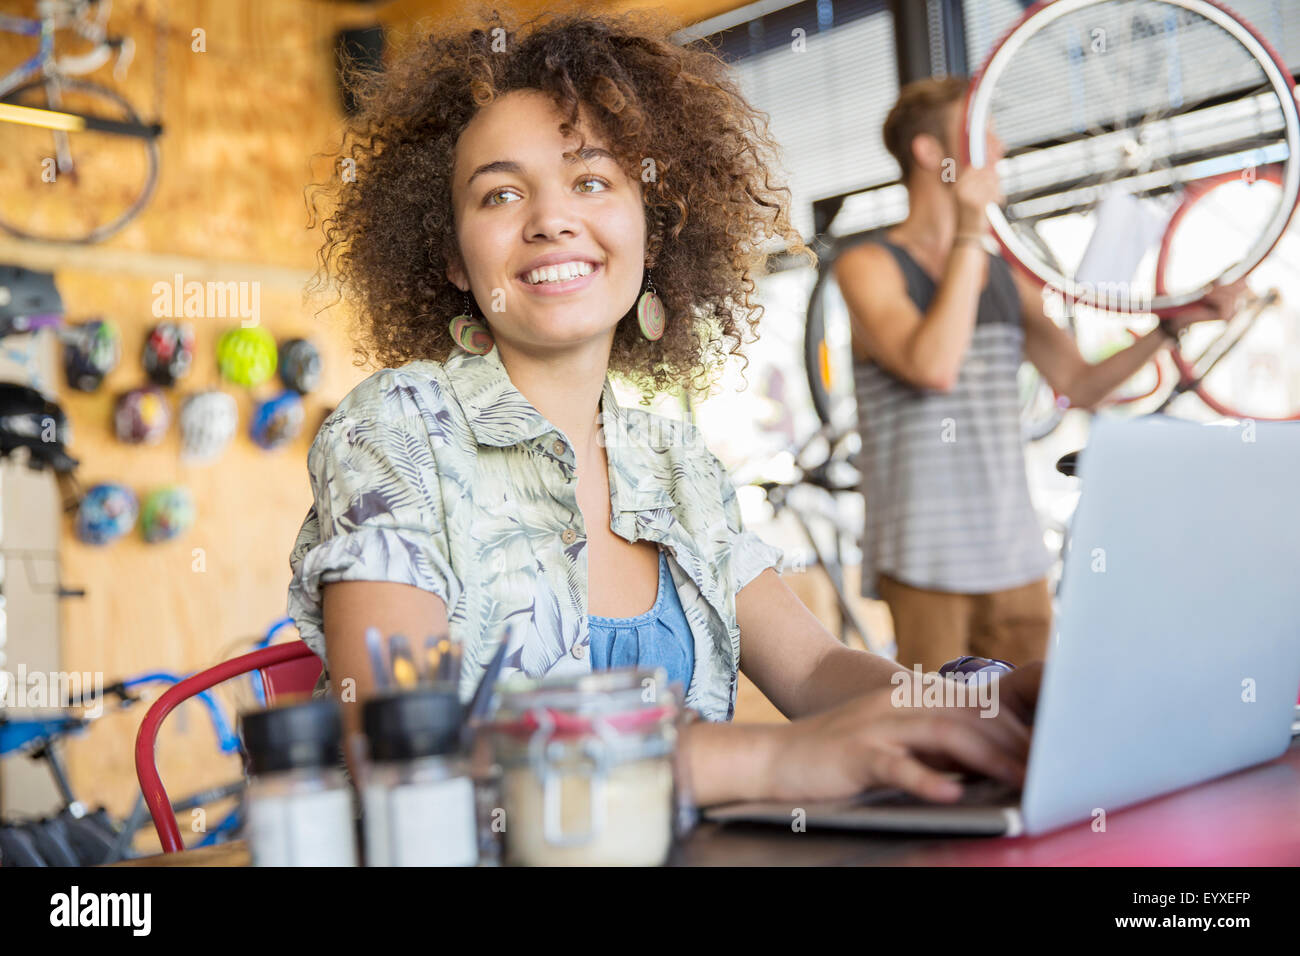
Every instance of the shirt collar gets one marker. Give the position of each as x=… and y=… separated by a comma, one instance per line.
x=640, y=470
x=496, y=411
x=498, y=414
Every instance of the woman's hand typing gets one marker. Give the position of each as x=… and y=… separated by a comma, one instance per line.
x=875, y=740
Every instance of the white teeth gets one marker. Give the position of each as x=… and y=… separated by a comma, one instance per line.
x=559, y=273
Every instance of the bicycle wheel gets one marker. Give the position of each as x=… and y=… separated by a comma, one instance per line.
x=1258, y=375
x=828, y=354
x=1040, y=410
x=111, y=179
x=1108, y=109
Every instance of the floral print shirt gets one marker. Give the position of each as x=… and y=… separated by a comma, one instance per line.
x=441, y=475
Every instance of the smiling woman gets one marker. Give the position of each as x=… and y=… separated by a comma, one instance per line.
x=677, y=144
x=486, y=477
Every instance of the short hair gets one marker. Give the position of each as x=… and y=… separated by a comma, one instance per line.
x=920, y=108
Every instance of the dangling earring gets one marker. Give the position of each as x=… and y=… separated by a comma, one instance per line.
x=650, y=315
x=469, y=333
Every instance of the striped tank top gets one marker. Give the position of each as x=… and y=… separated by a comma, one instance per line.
x=943, y=474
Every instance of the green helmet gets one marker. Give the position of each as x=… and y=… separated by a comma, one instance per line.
x=247, y=357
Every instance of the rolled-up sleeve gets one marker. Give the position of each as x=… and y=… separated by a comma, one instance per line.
x=377, y=515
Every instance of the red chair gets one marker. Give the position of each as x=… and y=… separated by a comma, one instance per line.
x=289, y=668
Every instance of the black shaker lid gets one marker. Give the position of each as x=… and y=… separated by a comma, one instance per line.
x=292, y=736
x=422, y=722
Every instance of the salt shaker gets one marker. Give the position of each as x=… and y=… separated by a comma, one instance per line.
x=419, y=800
x=299, y=803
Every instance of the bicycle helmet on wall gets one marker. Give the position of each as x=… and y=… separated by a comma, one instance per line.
x=30, y=420
x=90, y=351
x=142, y=415
x=278, y=420
x=166, y=513
x=246, y=357
x=300, y=365
x=168, y=352
x=107, y=512
x=28, y=300
x=208, y=421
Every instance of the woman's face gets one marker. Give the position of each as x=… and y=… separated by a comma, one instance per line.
x=518, y=201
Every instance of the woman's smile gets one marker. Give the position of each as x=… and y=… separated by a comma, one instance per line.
x=560, y=285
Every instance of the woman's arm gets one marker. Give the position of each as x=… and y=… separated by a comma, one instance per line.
x=348, y=608
x=850, y=729
x=793, y=659
x=862, y=741
x=869, y=740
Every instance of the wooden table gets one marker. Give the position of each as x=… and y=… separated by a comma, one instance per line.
x=1250, y=818
x=234, y=853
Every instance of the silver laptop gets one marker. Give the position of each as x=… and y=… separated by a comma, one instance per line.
x=1176, y=656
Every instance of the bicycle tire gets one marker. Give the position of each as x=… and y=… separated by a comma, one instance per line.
x=815, y=353
x=1037, y=427
x=134, y=208
x=91, y=836
x=1186, y=370
x=977, y=108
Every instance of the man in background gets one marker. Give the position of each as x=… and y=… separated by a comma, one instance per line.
x=940, y=326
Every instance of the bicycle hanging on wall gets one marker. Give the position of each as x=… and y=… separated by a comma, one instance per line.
x=79, y=161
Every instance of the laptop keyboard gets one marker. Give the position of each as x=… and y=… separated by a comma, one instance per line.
x=976, y=792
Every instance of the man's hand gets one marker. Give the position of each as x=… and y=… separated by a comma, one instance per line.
x=974, y=189
x=1223, y=302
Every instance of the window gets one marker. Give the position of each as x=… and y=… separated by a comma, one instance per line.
x=826, y=103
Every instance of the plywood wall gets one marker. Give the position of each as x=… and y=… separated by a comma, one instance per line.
x=244, y=117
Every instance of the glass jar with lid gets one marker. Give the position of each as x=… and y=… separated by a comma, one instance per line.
x=587, y=768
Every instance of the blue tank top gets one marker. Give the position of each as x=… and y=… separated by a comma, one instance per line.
x=658, y=638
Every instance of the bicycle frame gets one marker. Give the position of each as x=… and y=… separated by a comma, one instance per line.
x=45, y=64
x=39, y=736
x=31, y=28
x=832, y=564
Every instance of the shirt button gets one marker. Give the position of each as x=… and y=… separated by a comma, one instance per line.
x=558, y=447
x=568, y=536
x=579, y=651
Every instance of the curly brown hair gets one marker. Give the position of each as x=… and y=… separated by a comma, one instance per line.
x=389, y=235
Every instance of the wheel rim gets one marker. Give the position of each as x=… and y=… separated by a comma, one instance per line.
x=978, y=107
x=131, y=208
x=1198, y=193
